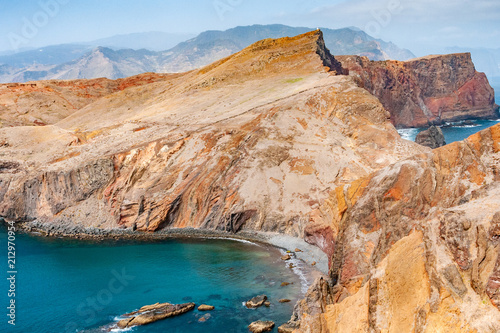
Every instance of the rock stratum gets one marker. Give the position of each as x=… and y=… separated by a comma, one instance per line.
x=276, y=138
x=436, y=89
x=416, y=246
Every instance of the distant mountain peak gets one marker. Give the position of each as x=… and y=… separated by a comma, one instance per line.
x=207, y=47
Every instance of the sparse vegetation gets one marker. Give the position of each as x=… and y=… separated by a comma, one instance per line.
x=294, y=80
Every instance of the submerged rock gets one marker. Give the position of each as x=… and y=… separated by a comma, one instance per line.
x=256, y=301
x=261, y=326
x=432, y=137
x=150, y=313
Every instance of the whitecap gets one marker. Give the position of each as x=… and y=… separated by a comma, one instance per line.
x=408, y=133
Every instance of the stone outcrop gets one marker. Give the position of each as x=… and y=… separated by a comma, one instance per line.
x=426, y=91
x=256, y=301
x=261, y=326
x=47, y=102
x=151, y=313
x=205, y=307
x=416, y=246
x=432, y=137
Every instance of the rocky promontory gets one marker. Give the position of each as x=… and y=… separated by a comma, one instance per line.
x=426, y=91
x=252, y=142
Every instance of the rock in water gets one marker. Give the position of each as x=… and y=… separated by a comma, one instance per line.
x=256, y=301
x=286, y=257
x=261, y=326
x=432, y=137
x=150, y=313
x=205, y=307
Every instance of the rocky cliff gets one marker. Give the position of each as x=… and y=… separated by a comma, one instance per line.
x=255, y=141
x=416, y=246
x=426, y=91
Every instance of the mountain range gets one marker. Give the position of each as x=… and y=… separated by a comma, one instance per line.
x=127, y=55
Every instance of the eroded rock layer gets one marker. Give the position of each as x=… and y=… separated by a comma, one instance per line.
x=426, y=91
x=416, y=245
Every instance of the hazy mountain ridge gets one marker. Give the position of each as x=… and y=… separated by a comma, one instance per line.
x=77, y=61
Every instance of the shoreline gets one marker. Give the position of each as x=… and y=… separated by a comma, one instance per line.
x=302, y=261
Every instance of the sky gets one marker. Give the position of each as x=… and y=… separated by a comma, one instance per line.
x=422, y=26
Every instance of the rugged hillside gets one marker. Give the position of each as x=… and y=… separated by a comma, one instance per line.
x=255, y=141
x=47, y=102
x=425, y=91
x=202, y=50
x=415, y=246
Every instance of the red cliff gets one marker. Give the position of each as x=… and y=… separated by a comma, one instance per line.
x=426, y=91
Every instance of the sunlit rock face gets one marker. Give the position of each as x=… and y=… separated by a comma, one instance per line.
x=416, y=245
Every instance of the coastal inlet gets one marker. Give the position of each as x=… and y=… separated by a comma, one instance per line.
x=90, y=284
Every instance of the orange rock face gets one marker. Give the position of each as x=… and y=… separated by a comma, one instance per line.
x=426, y=91
x=417, y=250
x=46, y=102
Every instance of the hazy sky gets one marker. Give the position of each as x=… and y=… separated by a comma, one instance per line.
x=423, y=26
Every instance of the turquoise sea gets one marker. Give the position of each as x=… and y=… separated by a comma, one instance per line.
x=82, y=286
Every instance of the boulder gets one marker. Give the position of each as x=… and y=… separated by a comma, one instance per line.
x=287, y=328
x=150, y=313
x=256, y=301
x=432, y=137
x=261, y=326
x=286, y=257
x=205, y=307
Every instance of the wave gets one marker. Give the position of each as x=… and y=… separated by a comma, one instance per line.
x=128, y=329
x=465, y=126
x=408, y=133
x=299, y=270
x=235, y=239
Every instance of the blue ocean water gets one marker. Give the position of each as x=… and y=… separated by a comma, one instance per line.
x=452, y=132
x=80, y=286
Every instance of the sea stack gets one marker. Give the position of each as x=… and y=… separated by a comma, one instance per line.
x=432, y=137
